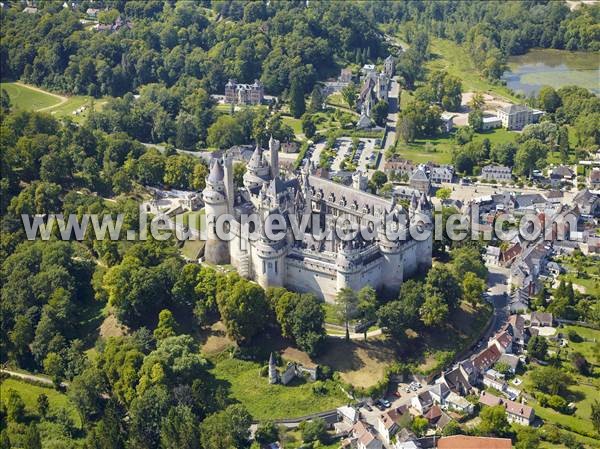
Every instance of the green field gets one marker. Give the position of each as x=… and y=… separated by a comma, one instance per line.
x=439, y=149
x=265, y=401
x=24, y=98
x=453, y=58
x=29, y=393
x=294, y=123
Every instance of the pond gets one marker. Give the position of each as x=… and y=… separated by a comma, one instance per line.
x=529, y=72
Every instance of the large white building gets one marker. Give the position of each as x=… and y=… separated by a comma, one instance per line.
x=305, y=263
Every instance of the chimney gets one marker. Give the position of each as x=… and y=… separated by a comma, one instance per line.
x=274, y=155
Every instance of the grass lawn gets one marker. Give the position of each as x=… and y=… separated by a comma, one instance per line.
x=25, y=98
x=439, y=149
x=294, y=123
x=193, y=220
x=586, y=347
x=265, y=401
x=293, y=440
x=590, y=281
x=453, y=58
x=29, y=393
x=22, y=97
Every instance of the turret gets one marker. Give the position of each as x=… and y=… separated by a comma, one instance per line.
x=273, y=374
x=216, y=251
x=359, y=180
x=257, y=170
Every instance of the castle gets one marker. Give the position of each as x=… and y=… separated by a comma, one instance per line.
x=237, y=93
x=307, y=263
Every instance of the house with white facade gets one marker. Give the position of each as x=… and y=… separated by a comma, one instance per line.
x=498, y=173
x=515, y=412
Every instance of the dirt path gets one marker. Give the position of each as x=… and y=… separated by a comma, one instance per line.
x=62, y=99
x=31, y=377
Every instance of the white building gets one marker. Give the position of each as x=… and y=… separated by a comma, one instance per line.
x=499, y=173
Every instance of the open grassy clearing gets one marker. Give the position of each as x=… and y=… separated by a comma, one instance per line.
x=29, y=393
x=294, y=123
x=293, y=440
x=28, y=98
x=25, y=98
x=439, y=149
x=265, y=401
x=453, y=58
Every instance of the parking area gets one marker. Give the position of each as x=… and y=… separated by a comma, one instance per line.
x=402, y=396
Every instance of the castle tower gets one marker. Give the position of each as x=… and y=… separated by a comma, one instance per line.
x=216, y=251
x=274, y=157
x=257, y=170
x=359, y=180
x=268, y=256
x=425, y=247
x=273, y=374
x=348, y=264
x=390, y=241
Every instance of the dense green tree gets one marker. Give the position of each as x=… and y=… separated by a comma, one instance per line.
x=32, y=438
x=86, y=390
x=313, y=430
x=146, y=414
x=380, y=112
x=494, y=422
x=549, y=99
x=228, y=428
x=166, y=325
x=243, y=311
x=550, y=379
x=434, y=310
x=595, y=415
x=179, y=429
x=443, y=284
x=308, y=126
x=537, y=347
x=225, y=133
x=350, y=94
x=473, y=288
x=42, y=405
x=297, y=102
x=531, y=155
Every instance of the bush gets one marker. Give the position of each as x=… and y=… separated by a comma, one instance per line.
x=574, y=336
x=324, y=372
x=319, y=388
x=264, y=371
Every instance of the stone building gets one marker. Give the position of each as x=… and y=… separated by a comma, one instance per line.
x=314, y=259
x=236, y=93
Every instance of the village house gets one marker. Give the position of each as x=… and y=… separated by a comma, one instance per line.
x=405, y=439
x=468, y=442
x=561, y=174
x=419, y=180
x=511, y=360
x=499, y=173
x=438, y=393
x=587, y=202
x=447, y=119
x=437, y=418
x=594, y=179
x=541, y=319
x=363, y=437
x=503, y=341
x=458, y=403
x=492, y=255
x=399, y=167
x=443, y=173
x=515, y=412
x=422, y=402
x=486, y=358
x=391, y=421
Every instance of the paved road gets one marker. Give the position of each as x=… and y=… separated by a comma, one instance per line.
x=392, y=118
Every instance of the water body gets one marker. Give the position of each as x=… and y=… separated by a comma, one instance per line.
x=546, y=67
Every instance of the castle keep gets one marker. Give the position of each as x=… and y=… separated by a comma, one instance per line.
x=310, y=264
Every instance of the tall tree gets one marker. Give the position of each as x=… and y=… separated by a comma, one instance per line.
x=346, y=302
x=297, y=103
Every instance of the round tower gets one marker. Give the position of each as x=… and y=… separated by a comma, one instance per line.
x=391, y=235
x=269, y=254
x=216, y=251
x=348, y=264
x=257, y=170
